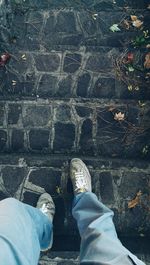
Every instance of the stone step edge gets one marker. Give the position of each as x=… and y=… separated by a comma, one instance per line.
x=71, y=8
x=71, y=100
x=77, y=48
x=58, y=160
x=73, y=258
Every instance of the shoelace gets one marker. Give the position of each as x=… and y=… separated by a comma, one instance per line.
x=80, y=181
x=47, y=207
x=44, y=209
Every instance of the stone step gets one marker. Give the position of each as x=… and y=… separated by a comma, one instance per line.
x=96, y=5
x=67, y=74
x=59, y=96
x=66, y=53
x=43, y=30
x=87, y=127
x=72, y=258
x=116, y=181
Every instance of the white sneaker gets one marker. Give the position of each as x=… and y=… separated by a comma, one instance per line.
x=46, y=205
x=80, y=176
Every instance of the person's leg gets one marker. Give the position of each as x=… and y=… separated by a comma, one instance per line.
x=99, y=241
x=24, y=231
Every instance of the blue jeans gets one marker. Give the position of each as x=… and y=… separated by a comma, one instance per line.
x=99, y=242
x=25, y=230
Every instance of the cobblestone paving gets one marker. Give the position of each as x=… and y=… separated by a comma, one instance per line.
x=58, y=98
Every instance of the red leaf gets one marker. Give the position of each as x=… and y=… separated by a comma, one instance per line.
x=4, y=58
x=130, y=57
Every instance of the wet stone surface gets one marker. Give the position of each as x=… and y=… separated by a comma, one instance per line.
x=60, y=98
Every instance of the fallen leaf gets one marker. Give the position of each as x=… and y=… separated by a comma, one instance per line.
x=145, y=150
x=137, y=23
x=133, y=18
x=130, y=57
x=130, y=68
x=14, y=82
x=147, y=76
x=135, y=201
x=94, y=16
x=137, y=88
x=119, y=116
x=130, y=87
x=4, y=58
x=24, y=57
x=146, y=34
x=147, y=61
x=115, y=28
x=139, y=41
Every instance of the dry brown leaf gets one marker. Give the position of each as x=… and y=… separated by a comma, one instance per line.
x=119, y=116
x=135, y=201
x=147, y=61
x=133, y=18
x=137, y=23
